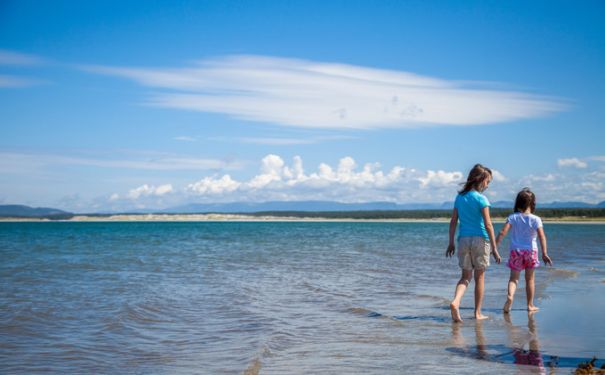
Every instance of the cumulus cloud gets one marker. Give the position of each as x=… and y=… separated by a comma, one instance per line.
x=572, y=163
x=147, y=190
x=350, y=181
x=346, y=181
x=214, y=186
x=498, y=177
x=305, y=93
x=440, y=178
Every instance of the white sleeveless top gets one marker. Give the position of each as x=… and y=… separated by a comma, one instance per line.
x=524, y=231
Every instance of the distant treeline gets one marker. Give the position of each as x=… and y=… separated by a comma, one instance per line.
x=579, y=213
x=430, y=214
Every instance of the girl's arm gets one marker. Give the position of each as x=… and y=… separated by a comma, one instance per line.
x=502, y=234
x=542, y=238
x=451, y=248
x=490, y=232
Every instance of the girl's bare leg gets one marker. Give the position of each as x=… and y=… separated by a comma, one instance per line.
x=465, y=279
x=479, y=288
x=530, y=289
x=512, y=287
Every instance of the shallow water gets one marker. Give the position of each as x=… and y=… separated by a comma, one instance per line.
x=281, y=298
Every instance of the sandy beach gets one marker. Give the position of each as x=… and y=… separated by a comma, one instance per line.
x=254, y=218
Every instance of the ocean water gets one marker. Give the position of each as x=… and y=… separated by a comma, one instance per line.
x=283, y=298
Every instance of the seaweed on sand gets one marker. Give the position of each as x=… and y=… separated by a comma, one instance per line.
x=589, y=368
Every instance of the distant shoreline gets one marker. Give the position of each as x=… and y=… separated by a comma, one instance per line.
x=267, y=218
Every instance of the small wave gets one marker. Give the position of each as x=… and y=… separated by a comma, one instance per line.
x=365, y=312
x=145, y=313
x=317, y=289
x=440, y=319
x=562, y=273
x=373, y=314
x=438, y=301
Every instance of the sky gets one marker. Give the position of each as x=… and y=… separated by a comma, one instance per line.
x=121, y=105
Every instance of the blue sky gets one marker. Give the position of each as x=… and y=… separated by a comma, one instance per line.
x=122, y=105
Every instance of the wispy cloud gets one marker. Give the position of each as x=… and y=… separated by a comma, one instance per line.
x=328, y=95
x=184, y=138
x=21, y=162
x=282, y=141
x=16, y=58
x=11, y=81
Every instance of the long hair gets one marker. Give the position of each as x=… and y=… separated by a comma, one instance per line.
x=475, y=178
x=525, y=199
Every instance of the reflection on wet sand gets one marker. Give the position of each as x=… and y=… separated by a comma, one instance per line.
x=518, y=338
x=522, y=351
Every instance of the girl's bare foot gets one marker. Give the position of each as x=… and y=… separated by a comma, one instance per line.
x=454, y=308
x=507, y=305
x=532, y=308
x=480, y=316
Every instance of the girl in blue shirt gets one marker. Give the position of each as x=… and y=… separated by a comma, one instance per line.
x=476, y=238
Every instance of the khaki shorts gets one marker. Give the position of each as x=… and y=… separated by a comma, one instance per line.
x=473, y=253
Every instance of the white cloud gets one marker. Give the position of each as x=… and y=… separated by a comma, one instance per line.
x=22, y=163
x=498, y=177
x=185, y=138
x=327, y=95
x=572, y=162
x=345, y=182
x=348, y=181
x=12, y=58
x=549, y=177
x=147, y=190
x=283, y=141
x=211, y=185
x=16, y=58
x=440, y=178
x=8, y=81
x=276, y=141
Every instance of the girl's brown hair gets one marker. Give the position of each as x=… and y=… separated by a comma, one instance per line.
x=525, y=199
x=475, y=178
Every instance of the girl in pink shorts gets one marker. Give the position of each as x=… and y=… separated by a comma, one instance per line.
x=526, y=229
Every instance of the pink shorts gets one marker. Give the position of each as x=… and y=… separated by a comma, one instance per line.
x=520, y=260
x=531, y=358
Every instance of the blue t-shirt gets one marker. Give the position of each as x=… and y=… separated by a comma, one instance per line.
x=469, y=206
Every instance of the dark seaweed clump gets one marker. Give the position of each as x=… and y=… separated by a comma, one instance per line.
x=589, y=368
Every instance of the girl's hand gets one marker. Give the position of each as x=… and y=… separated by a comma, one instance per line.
x=451, y=249
x=497, y=257
x=546, y=259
